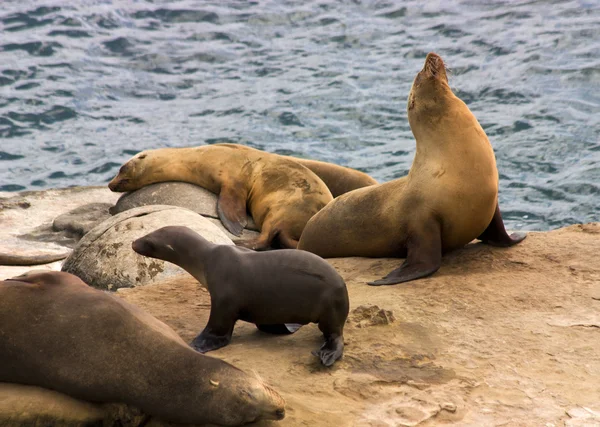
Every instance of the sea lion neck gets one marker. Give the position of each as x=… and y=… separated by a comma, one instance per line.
x=432, y=107
x=192, y=253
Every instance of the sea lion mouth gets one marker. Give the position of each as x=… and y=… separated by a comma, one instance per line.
x=117, y=185
x=434, y=65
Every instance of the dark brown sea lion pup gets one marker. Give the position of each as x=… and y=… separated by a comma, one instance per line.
x=280, y=194
x=265, y=288
x=58, y=333
x=449, y=197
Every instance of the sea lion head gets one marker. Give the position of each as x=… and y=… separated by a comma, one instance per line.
x=246, y=399
x=430, y=88
x=179, y=245
x=134, y=174
x=159, y=243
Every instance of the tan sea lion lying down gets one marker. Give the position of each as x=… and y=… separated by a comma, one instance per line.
x=280, y=194
x=339, y=179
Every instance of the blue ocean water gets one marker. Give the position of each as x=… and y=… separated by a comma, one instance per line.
x=85, y=84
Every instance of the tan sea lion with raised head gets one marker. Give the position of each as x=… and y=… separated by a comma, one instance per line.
x=59, y=333
x=280, y=194
x=448, y=198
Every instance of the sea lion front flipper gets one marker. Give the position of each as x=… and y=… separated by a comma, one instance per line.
x=231, y=208
x=495, y=234
x=281, y=329
x=218, y=330
x=424, y=249
x=331, y=350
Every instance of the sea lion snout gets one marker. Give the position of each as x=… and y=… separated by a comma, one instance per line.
x=143, y=246
x=280, y=414
x=434, y=65
x=118, y=184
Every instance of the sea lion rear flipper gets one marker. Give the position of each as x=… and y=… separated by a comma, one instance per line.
x=424, y=249
x=231, y=208
x=495, y=234
x=281, y=329
x=286, y=241
x=263, y=241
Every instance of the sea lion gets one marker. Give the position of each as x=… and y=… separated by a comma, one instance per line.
x=448, y=198
x=339, y=179
x=280, y=194
x=93, y=346
x=269, y=289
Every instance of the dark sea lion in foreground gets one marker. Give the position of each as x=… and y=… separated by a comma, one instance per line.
x=268, y=289
x=280, y=194
x=449, y=197
x=58, y=333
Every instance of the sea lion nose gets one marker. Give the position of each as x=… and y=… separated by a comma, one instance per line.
x=280, y=414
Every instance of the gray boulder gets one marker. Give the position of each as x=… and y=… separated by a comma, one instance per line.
x=182, y=194
x=82, y=219
x=104, y=258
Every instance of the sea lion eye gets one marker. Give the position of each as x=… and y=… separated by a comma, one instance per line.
x=247, y=394
x=143, y=156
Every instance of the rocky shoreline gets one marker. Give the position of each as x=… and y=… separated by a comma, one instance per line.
x=495, y=337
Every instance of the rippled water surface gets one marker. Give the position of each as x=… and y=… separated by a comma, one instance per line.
x=86, y=84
